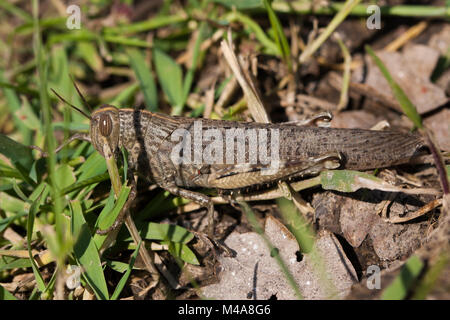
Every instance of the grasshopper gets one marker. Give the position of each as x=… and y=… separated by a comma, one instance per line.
x=151, y=143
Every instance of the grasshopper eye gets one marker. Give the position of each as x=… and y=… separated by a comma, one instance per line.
x=105, y=125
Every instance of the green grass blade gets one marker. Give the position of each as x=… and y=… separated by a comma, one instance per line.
x=408, y=108
x=5, y=295
x=19, y=192
x=241, y=4
x=27, y=116
x=170, y=77
x=64, y=176
x=117, y=266
x=18, y=263
x=19, y=88
x=280, y=37
x=305, y=236
x=123, y=98
x=86, y=253
x=92, y=167
x=30, y=223
x=260, y=35
x=59, y=80
x=132, y=42
x=4, y=223
x=343, y=180
x=160, y=204
x=29, y=27
x=399, y=288
x=146, y=81
x=12, y=204
x=429, y=280
x=125, y=277
x=7, y=6
x=296, y=224
x=407, y=10
x=110, y=213
x=50, y=143
x=89, y=53
x=85, y=182
x=181, y=251
x=9, y=172
x=146, y=25
x=258, y=229
x=165, y=231
x=15, y=151
x=334, y=23
x=13, y=104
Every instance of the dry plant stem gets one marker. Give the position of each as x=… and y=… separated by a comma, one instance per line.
x=209, y=101
x=439, y=161
x=443, y=230
x=145, y=255
x=411, y=33
x=422, y=211
x=60, y=281
x=338, y=18
x=254, y=101
x=225, y=97
x=165, y=272
x=366, y=91
x=383, y=124
x=304, y=207
x=343, y=101
x=59, y=6
x=338, y=66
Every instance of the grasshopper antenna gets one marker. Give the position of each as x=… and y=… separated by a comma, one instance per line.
x=81, y=96
x=77, y=136
x=68, y=103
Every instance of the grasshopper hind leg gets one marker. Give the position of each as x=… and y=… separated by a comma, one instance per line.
x=206, y=202
x=199, y=198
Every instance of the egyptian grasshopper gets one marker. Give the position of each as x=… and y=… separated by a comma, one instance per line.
x=181, y=154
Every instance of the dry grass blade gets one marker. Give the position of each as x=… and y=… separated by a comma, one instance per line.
x=254, y=101
x=410, y=34
x=343, y=101
x=361, y=182
x=422, y=211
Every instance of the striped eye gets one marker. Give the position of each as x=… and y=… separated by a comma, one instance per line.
x=105, y=125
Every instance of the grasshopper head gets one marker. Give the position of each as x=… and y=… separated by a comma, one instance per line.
x=105, y=129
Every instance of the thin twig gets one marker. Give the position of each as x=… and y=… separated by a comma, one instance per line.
x=422, y=211
x=411, y=33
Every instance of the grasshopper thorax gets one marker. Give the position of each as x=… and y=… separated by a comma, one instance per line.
x=105, y=128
